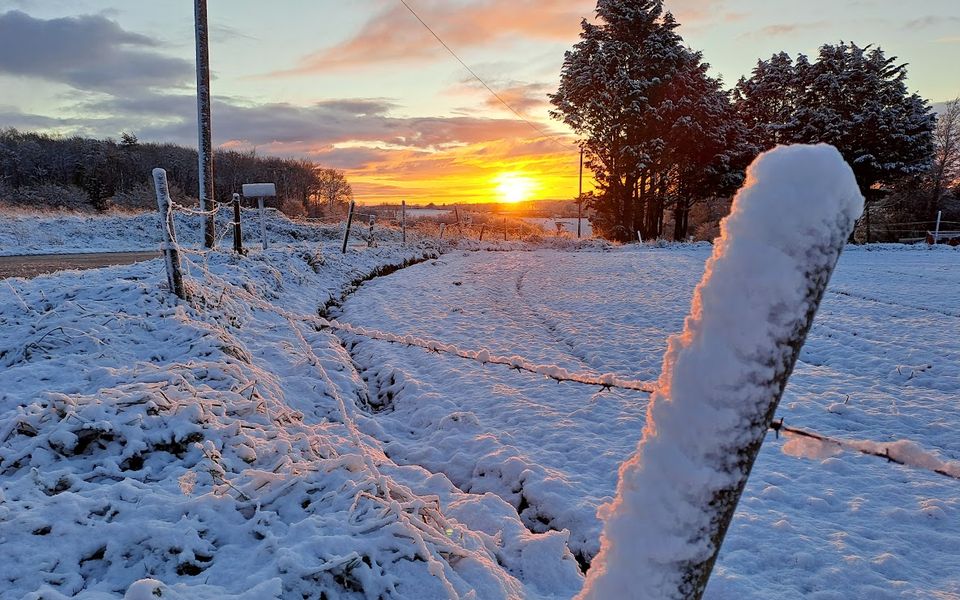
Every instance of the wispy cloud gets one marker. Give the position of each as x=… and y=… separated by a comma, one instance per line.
x=394, y=35
x=931, y=21
x=781, y=29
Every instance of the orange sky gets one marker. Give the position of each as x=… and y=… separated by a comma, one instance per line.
x=362, y=86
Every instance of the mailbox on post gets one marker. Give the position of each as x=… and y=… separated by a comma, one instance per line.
x=260, y=191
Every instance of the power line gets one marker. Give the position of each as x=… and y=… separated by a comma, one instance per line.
x=484, y=83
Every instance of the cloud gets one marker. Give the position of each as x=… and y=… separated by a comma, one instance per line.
x=930, y=21
x=522, y=97
x=780, y=29
x=395, y=35
x=88, y=52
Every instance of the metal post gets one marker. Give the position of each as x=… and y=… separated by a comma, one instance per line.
x=580, y=197
x=170, y=253
x=205, y=146
x=403, y=221
x=263, y=222
x=936, y=233
x=237, y=234
x=346, y=233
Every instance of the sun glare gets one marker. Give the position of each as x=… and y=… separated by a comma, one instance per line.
x=513, y=187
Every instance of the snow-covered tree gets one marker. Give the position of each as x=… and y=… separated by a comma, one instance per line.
x=854, y=98
x=767, y=101
x=636, y=95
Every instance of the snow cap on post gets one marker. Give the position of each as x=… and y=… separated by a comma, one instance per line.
x=259, y=190
x=722, y=378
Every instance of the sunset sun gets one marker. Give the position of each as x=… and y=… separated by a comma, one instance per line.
x=513, y=187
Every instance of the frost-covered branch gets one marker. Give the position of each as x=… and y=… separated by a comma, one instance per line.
x=724, y=375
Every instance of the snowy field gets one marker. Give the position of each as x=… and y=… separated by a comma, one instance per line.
x=237, y=447
x=880, y=365
x=569, y=225
x=52, y=233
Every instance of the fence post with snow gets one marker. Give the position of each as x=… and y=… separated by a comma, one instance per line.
x=170, y=253
x=403, y=221
x=261, y=191
x=723, y=377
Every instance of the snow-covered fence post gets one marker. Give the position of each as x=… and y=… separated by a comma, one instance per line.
x=170, y=254
x=346, y=232
x=723, y=377
x=403, y=221
x=261, y=191
x=237, y=235
x=936, y=232
x=371, y=241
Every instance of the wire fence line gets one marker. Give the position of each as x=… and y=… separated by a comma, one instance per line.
x=554, y=372
x=877, y=449
x=520, y=364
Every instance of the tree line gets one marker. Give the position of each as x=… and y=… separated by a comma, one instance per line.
x=77, y=173
x=661, y=135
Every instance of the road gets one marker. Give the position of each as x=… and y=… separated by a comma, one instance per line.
x=33, y=265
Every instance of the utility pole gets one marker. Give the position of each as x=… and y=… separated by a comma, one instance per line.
x=205, y=146
x=580, y=196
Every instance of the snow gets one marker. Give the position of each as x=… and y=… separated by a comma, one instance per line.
x=569, y=225
x=805, y=527
x=346, y=446
x=31, y=233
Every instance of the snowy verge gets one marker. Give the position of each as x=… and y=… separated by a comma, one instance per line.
x=213, y=448
x=45, y=233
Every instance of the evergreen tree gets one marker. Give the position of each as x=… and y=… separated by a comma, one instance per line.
x=767, y=102
x=639, y=97
x=853, y=98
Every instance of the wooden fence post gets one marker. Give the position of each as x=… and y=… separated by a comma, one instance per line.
x=237, y=235
x=170, y=253
x=680, y=490
x=403, y=221
x=263, y=221
x=346, y=233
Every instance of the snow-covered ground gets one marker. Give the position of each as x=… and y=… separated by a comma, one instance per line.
x=51, y=233
x=235, y=446
x=879, y=365
x=569, y=225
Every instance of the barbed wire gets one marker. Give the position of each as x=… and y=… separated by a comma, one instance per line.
x=554, y=372
x=779, y=426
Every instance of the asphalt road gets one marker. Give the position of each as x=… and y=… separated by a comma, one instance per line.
x=31, y=266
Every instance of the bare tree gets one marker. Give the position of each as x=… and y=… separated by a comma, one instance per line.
x=334, y=192
x=945, y=170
